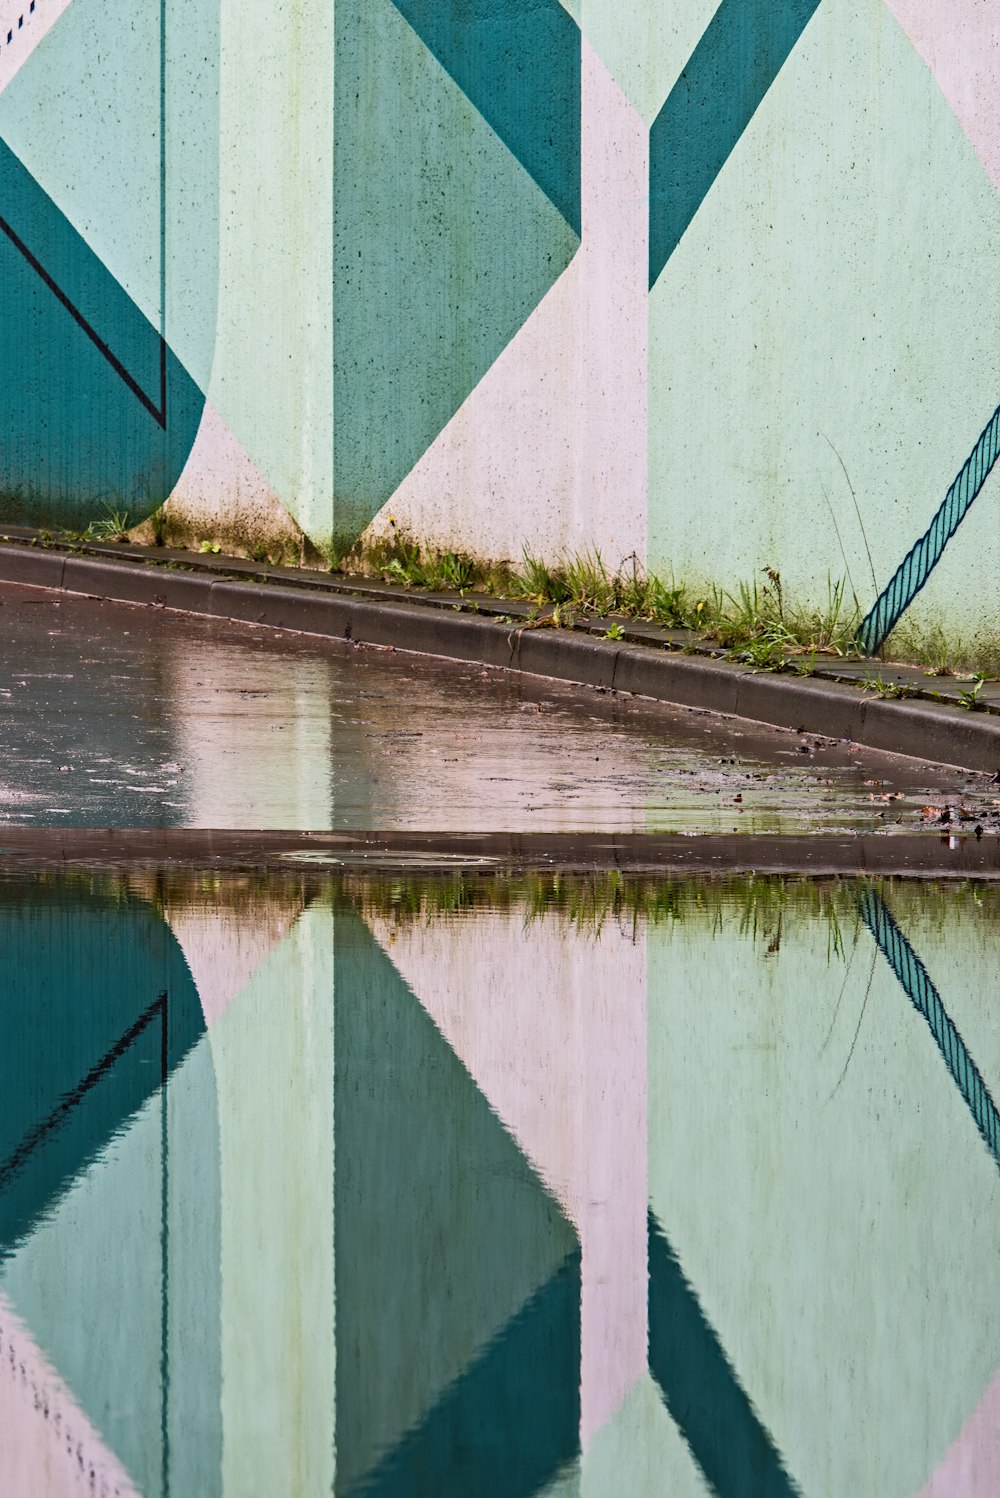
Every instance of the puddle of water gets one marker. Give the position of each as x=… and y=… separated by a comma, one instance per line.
x=133, y=717
x=496, y=1184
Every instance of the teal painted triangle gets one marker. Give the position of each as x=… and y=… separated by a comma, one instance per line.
x=80, y=1146
x=444, y=245
x=83, y=115
x=744, y=47
x=97, y=409
x=519, y=63
x=446, y=1242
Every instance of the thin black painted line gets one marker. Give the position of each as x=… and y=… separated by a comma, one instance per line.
x=40, y=1132
x=158, y=413
x=164, y=1254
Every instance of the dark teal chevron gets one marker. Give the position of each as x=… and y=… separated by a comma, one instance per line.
x=506, y=1427
x=519, y=63
x=701, y=1390
x=96, y=408
x=713, y=101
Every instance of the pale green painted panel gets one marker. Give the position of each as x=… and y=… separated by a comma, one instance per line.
x=83, y=115
x=109, y=1360
x=192, y=183
x=641, y=1452
x=644, y=44
x=272, y=380
x=838, y=282
x=823, y=1184
x=89, y=1285
x=273, y=1056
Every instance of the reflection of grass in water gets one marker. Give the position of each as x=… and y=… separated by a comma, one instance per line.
x=760, y=907
x=166, y=889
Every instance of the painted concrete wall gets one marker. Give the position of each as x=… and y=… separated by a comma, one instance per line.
x=665, y=281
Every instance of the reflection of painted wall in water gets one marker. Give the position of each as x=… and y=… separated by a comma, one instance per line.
x=502, y=1198
x=803, y=1185
x=666, y=283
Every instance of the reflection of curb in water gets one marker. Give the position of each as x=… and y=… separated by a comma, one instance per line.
x=917, y=854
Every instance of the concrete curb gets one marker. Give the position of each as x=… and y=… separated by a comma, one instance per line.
x=806, y=855
x=922, y=730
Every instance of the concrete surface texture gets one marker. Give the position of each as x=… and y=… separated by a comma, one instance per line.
x=710, y=285
x=124, y=716
x=385, y=1222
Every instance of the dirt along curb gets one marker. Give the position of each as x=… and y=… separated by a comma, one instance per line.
x=910, y=855
x=384, y=616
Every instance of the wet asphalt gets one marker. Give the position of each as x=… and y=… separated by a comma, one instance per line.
x=114, y=715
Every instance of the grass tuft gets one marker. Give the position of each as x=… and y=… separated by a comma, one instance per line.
x=758, y=623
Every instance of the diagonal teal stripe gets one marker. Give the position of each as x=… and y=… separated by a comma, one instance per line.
x=700, y=1388
x=920, y=561
x=443, y=246
x=915, y=982
x=519, y=63
x=738, y=58
x=510, y=1421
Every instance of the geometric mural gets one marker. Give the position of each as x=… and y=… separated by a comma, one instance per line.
x=400, y=264
x=109, y=1198
x=701, y=1391
x=88, y=1039
x=709, y=107
x=100, y=406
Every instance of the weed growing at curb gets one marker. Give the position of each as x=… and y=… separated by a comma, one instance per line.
x=758, y=624
x=970, y=697
x=887, y=690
